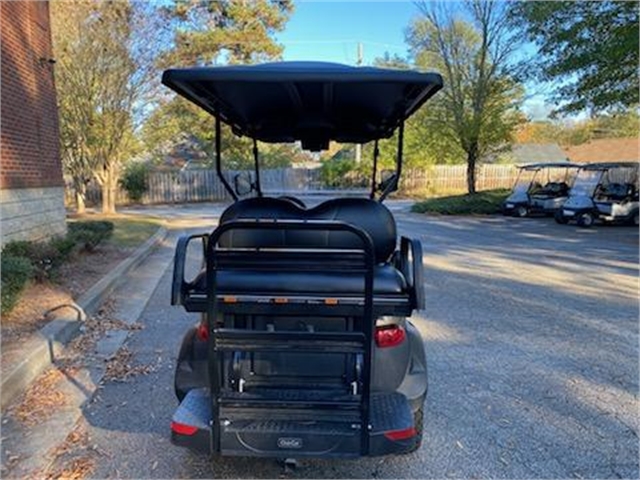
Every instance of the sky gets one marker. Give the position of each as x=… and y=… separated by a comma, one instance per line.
x=330, y=30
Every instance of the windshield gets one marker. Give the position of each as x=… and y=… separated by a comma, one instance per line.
x=525, y=177
x=586, y=183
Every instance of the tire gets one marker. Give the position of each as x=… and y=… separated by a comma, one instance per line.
x=560, y=218
x=586, y=220
x=635, y=221
x=418, y=423
x=520, y=211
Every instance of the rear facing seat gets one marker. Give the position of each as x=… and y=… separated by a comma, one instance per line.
x=371, y=216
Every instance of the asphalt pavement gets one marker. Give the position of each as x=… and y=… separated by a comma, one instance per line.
x=531, y=333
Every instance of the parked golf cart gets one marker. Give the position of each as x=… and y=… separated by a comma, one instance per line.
x=304, y=347
x=540, y=188
x=602, y=191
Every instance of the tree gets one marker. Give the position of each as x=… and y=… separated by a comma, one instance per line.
x=478, y=107
x=589, y=49
x=105, y=65
x=209, y=33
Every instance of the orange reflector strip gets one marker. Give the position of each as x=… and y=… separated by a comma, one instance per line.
x=280, y=300
x=401, y=434
x=229, y=299
x=331, y=301
x=182, y=429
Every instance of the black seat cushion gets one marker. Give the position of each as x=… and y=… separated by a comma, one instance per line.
x=387, y=281
x=371, y=216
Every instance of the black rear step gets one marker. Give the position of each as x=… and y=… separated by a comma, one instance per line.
x=287, y=432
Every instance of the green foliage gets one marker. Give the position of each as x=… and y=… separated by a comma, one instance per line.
x=16, y=271
x=236, y=32
x=135, y=181
x=342, y=171
x=90, y=234
x=588, y=49
x=43, y=257
x=105, y=74
x=217, y=32
x=481, y=203
x=478, y=108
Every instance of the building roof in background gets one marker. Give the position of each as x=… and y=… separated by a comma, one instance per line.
x=605, y=150
x=537, y=153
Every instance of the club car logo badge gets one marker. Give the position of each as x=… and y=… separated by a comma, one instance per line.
x=289, y=442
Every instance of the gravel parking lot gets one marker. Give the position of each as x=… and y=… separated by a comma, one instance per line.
x=531, y=331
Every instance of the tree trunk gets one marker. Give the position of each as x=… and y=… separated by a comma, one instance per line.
x=109, y=191
x=81, y=192
x=472, y=156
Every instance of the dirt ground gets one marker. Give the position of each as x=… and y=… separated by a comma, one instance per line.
x=71, y=280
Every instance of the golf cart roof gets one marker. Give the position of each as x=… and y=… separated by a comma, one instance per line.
x=539, y=166
x=609, y=165
x=313, y=102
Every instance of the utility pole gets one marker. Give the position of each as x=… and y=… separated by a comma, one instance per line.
x=359, y=63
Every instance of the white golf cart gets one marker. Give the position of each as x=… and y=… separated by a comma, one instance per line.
x=540, y=188
x=602, y=191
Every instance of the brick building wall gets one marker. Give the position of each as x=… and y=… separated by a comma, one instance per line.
x=31, y=183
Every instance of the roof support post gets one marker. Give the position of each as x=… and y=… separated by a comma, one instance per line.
x=393, y=186
x=376, y=152
x=257, y=167
x=219, y=159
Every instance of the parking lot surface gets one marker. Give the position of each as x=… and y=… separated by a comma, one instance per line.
x=531, y=332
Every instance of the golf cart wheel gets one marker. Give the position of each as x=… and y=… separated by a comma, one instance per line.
x=520, y=211
x=586, y=220
x=560, y=218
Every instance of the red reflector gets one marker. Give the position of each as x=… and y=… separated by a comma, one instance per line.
x=182, y=429
x=401, y=434
x=389, y=335
x=202, y=332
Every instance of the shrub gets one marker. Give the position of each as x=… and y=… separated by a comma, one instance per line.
x=16, y=271
x=63, y=245
x=134, y=180
x=44, y=257
x=19, y=248
x=90, y=234
x=481, y=203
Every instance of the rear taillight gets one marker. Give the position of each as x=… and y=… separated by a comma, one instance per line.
x=389, y=335
x=182, y=429
x=202, y=332
x=401, y=434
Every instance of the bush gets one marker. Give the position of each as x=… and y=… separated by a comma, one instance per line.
x=481, y=203
x=16, y=272
x=134, y=180
x=90, y=234
x=44, y=257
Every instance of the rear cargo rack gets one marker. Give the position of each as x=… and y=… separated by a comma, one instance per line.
x=228, y=404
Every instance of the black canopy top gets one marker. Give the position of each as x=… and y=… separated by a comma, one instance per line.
x=313, y=102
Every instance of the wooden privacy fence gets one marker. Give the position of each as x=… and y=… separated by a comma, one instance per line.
x=204, y=185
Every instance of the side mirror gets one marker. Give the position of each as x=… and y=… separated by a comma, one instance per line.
x=242, y=184
x=389, y=182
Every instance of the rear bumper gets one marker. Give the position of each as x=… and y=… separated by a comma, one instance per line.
x=392, y=432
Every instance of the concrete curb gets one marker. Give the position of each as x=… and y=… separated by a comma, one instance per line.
x=43, y=347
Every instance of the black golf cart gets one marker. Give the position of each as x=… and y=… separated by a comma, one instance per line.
x=602, y=191
x=540, y=188
x=304, y=347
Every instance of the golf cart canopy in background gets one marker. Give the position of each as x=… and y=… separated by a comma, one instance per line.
x=309, y=102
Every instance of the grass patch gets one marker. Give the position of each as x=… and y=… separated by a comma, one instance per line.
x=132, y=233
x=128, y=232
x=486, y=202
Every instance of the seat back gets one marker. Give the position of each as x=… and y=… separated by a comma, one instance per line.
x=369, y=215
